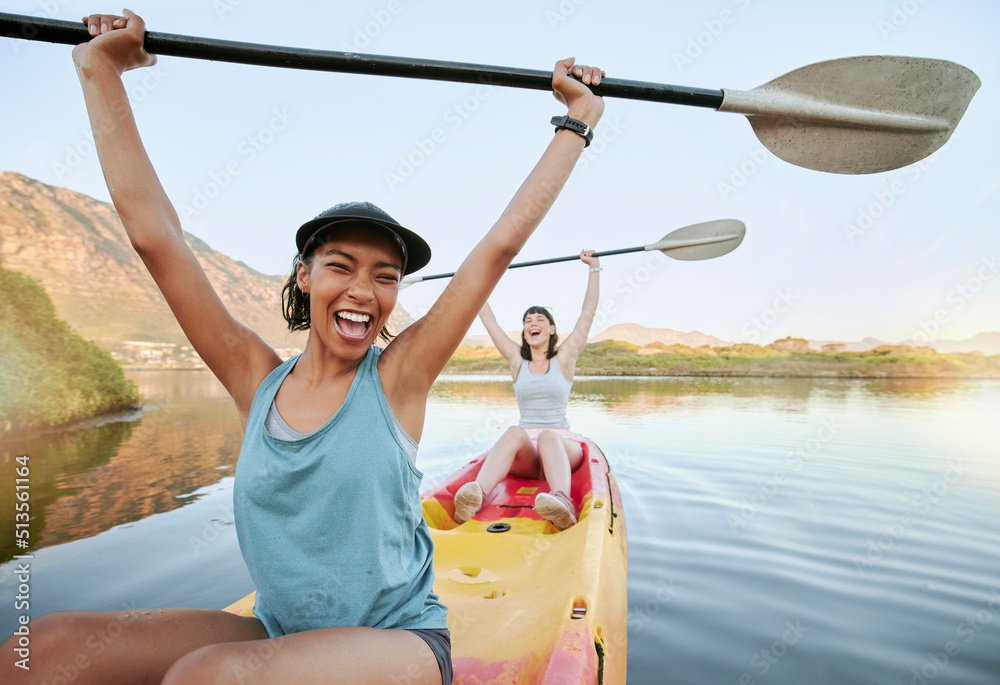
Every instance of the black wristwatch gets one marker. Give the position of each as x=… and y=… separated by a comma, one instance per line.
x=575, y=126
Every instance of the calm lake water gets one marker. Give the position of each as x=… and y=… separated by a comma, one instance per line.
x=781, y=531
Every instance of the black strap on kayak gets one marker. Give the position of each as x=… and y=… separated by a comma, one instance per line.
x=611, y=496
x=599, y=648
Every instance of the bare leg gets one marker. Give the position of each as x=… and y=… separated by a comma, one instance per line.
x=560, y=457
x=360, y=656
x=136, y=646
x=514, y=453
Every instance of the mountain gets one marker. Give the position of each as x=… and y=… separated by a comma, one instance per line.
x=485, y=340
x=642, y=336
x=626, y=332
x=76, y=247
x=987, y=343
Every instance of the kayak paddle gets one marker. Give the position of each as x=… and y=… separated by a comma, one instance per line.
x=697, y=241
x=856, y=115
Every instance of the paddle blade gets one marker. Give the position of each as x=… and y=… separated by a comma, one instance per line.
x=702, y=241
x=858, y=115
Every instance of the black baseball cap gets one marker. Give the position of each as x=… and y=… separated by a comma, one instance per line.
x=416, y=251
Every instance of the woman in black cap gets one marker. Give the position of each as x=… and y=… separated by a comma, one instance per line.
x=326, y=502
x=541, y=446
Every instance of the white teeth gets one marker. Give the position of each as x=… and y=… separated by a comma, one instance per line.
x=351, y=316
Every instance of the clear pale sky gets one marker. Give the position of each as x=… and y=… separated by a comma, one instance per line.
x=300, y=142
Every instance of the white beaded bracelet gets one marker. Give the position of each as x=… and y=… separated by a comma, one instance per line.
x=595, y=269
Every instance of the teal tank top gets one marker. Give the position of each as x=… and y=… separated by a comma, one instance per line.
x=330, y=525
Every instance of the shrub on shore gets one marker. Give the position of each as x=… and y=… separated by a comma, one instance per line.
x=49, y=375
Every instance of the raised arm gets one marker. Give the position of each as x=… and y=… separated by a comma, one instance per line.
x=509, y=348
x=421, y=351
x=235, y=354
x=573, y=344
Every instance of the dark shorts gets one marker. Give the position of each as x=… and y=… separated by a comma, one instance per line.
x=439, y=640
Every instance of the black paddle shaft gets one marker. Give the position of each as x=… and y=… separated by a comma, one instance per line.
x=553, y=260
x=73, y=33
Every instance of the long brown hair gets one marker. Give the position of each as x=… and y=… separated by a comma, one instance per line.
x=525, y=350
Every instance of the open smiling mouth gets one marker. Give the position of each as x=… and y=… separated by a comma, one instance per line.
x=352, y=325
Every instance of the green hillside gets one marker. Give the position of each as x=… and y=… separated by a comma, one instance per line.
x=49, y=375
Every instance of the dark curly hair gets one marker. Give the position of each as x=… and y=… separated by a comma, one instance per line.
x=295, y=303
x=525, y=350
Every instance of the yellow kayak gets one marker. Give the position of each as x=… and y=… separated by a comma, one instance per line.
x=528, y=603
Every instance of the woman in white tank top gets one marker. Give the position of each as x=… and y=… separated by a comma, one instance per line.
x=541, y=446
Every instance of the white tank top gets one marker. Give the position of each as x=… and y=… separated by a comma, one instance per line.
x=542, y=399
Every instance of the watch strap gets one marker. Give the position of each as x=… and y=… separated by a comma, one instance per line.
x=574, y=125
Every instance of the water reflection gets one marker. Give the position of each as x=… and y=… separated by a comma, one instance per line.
x=780, y=388
x=89, y=479
x=879, y=542
x=925, y=389
x=464, y=388
x=60, y=466
x=629, y=395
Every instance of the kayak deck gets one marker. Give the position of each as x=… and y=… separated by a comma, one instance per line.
x=528, y=603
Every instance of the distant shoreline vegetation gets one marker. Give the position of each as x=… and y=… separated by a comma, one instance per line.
x=49, y=375
x=789, y=357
